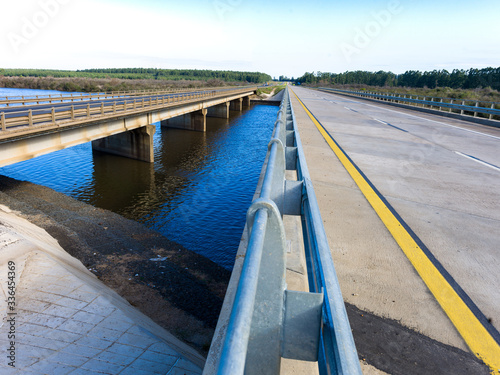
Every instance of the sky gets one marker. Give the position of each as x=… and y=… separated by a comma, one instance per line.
x=276, y=37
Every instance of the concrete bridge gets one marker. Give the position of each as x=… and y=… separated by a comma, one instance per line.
x=118, y=124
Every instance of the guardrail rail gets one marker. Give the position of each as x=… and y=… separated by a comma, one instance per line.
x=267, y=321
x=442, y=104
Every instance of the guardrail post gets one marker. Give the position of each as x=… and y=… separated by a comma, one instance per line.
x=440, y=104
x=2, y=120
x=72, y=112
x=114, y=107
x=88, y=110
x=53, y=114
x=30, y=118
x=102, y=109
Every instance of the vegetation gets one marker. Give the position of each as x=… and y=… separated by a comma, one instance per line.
x=94, y=80
x=102, y=85
x=270, y=89
x=483, y=95
x=143, y=73
x=457, y=79
x=477, y=84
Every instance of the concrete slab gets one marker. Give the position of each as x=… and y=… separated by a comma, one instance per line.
x=451, y=205
x=372, y=270
x=67, y=321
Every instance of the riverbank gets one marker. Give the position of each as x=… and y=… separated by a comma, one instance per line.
x=81, y=84
x=178, y=289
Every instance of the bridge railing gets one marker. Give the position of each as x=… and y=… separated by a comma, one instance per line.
x=444, y=104
x=65, y=115
x=9, y=101
x=267, y=321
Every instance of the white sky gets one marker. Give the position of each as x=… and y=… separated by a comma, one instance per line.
x=276, y=37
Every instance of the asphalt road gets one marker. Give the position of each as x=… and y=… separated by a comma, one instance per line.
x=441, y=177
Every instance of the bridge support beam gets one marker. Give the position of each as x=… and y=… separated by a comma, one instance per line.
x=220, y=110
x=134, y=144
x=236, y=105
x=246, y=102
x=196, y=121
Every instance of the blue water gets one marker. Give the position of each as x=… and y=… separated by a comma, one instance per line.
x=196, y=193
x=29, y=92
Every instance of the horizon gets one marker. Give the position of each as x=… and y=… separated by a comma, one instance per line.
x=280, y=39
x=237, y=71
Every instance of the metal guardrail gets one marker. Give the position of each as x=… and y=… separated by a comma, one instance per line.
x=267, y=321
x=439, y=103
x=65, y=115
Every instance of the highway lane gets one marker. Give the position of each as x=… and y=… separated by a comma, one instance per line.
x=441, y=176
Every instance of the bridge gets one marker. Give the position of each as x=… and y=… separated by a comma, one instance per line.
x=409, y=205
x=118, y=123
x=404, y=204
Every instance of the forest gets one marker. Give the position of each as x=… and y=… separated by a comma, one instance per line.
x=143, y=73
x=456, y=79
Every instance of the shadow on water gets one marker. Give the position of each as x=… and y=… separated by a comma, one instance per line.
x=196, y=193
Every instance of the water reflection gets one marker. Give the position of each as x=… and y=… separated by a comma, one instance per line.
x=196, y=193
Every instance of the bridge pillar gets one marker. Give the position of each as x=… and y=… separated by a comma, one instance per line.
x=236, y=105
x=134, y=144
x=196, y=121
x=220, y=110
x=246, y=102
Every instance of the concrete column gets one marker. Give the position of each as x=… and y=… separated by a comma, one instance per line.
x=134, y=144
x=220, y=110
x=236, y=105
x=196, y=121
x=246, y=102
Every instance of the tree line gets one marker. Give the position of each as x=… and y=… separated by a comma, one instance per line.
x=457, y=79
x=144, y=73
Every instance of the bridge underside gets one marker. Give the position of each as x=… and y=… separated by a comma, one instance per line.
x=135, y=144
x=130, y=136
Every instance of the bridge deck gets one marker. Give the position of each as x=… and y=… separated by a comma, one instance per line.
x=442, y=178
x=32, y=130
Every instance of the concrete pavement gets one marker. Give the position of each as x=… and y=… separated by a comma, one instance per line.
x=63, y=320
x=424, y=168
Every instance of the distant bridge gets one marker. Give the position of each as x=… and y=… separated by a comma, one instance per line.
x=120, y=123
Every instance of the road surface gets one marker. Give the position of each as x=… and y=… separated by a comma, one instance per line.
x=441, y=179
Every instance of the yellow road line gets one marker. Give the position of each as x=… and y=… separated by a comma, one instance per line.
x=477, y=337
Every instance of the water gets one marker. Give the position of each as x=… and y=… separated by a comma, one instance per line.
x=18, y=93
x=196, y=193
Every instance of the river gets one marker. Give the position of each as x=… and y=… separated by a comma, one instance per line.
x=196, y=193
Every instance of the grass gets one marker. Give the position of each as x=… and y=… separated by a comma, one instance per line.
x=484, y=95
x=269, y=89
x=79, y=84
